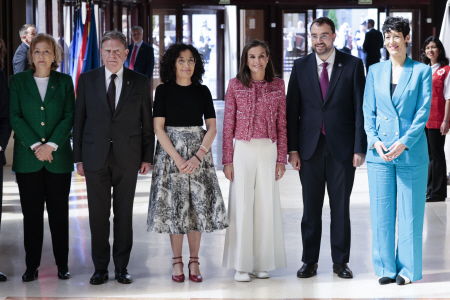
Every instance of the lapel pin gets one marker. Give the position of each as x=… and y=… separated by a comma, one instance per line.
x=52, y=87
x=128, y=82
x=339, y=65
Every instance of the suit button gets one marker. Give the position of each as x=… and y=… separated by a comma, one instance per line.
x=385, y=118
x=43, y=140
x=42, y=123
x=396, y=133
x=396, y=118
x=384, y=133
x=42, y=108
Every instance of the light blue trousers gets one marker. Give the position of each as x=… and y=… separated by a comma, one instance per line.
x=393, y=186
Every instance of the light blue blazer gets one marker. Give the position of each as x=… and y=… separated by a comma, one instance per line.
x=400, y=118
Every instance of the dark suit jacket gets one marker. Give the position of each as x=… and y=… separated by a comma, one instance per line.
x=35, y=121
x=20, y=60
x=145, y=60
x=5, y=128
x=372, y=44
x=130, y=128
x=341, y=111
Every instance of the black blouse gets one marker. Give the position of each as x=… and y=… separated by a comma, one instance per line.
x=183, y=105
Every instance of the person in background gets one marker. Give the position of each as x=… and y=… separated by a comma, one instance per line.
x=373, y=42
x=185, y=196
x=255, y=116
x=326, y=142
x=438, y=123
x=42, y=103
x=5, y=133
x=140, y=56
x=20, y=61
x=397, y=101
x=360, y=35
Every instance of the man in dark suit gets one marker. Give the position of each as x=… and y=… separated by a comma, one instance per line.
x=372, y=44
x=20, y=60
x=140, y=55
x=326, y=141
x=5, y=132
x=113, y=139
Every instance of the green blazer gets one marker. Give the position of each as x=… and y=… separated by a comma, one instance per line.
x=35, y=121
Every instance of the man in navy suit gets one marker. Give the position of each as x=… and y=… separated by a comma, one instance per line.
x=140, y=55
x=372, y=44
x=326, y=142
x=20, y=61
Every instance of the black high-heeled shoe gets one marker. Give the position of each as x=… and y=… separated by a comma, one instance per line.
x=63, y=272
x=30, y=274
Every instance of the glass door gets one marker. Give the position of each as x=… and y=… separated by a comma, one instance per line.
x=163, y=35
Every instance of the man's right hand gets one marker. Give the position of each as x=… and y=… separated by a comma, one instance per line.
x=294, y=160
x=80, y=170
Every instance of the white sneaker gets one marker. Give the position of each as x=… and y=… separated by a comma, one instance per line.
x=260, y=274
x=241, y=276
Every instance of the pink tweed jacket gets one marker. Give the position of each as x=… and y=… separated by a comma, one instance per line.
x=240, y=111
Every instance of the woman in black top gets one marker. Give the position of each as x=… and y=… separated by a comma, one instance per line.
x=185, y=196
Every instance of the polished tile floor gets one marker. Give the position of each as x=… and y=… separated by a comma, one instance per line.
x=150, y=263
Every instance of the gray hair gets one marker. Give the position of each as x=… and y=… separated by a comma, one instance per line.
x=24, y=29
x=137, y=28
x=114, y=35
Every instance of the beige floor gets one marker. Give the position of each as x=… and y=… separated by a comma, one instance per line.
x=150, y=262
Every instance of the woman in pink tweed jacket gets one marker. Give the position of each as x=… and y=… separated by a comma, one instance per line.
x=255, y=116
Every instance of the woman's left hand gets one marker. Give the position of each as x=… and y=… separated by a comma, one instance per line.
x=279, y=171
x=395, y=150
x=444, y=128
x=44, y=152
x=190, y=165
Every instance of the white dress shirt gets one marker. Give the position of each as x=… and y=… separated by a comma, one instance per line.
x=137, y=50
x=42, y=83
x=330, y=62
x=446, y=81
x=118, y=81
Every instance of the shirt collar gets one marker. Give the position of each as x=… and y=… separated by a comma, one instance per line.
x=139, y=44
x=119, y=74
x=26, y=45
x=330, y=59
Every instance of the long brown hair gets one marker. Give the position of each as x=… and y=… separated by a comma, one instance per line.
x=2, y=54
x=244, y=75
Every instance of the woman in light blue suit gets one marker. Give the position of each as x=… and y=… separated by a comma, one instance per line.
x=397, y=101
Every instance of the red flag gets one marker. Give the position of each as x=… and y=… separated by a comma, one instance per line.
x=83, y=44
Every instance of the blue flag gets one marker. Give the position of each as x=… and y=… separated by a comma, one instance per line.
x=76, y=45
x=91, y=58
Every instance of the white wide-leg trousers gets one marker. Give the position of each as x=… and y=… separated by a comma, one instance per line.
x=254, y=238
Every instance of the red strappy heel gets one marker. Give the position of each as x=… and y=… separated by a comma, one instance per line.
x=178, y=278
x=194, y=278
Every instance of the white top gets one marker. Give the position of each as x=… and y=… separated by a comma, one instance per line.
x=42, y=83
x=330, y=62
x=446, y=82
x=137, y=50
x=118, y=81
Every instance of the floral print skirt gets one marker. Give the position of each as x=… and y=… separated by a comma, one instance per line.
x=180, y=203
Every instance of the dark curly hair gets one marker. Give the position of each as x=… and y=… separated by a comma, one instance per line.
x=167, y=64
x=398, y=24
x=442, y=58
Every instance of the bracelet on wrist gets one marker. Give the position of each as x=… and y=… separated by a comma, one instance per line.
x=445, y=121
x=206, y=149
x=197, y=158
x=201, y=149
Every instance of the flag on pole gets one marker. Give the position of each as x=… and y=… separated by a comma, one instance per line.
x=83, y=46
x=91, y=58
x=76, y=45
x=444, y=36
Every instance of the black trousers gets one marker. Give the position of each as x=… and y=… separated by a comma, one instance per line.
x=99, y=185
x=315, y=173
x=37, y=189
x=1, y=195
x=437, y=168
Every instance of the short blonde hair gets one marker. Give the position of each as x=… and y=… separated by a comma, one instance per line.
x=57, y=51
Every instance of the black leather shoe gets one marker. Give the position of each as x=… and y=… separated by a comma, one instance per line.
x=307, y=270
x=402, y=281
x=30, y=274
x=431, y=199
x=122, y=276
x=99, y=277
x=2, y=277
x=385, y=280
x=63, y=272
x=342, y=270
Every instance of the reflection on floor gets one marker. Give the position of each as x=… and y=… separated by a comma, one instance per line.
x=150, y=263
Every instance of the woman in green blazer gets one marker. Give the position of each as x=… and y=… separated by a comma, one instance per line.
x=42, y=103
